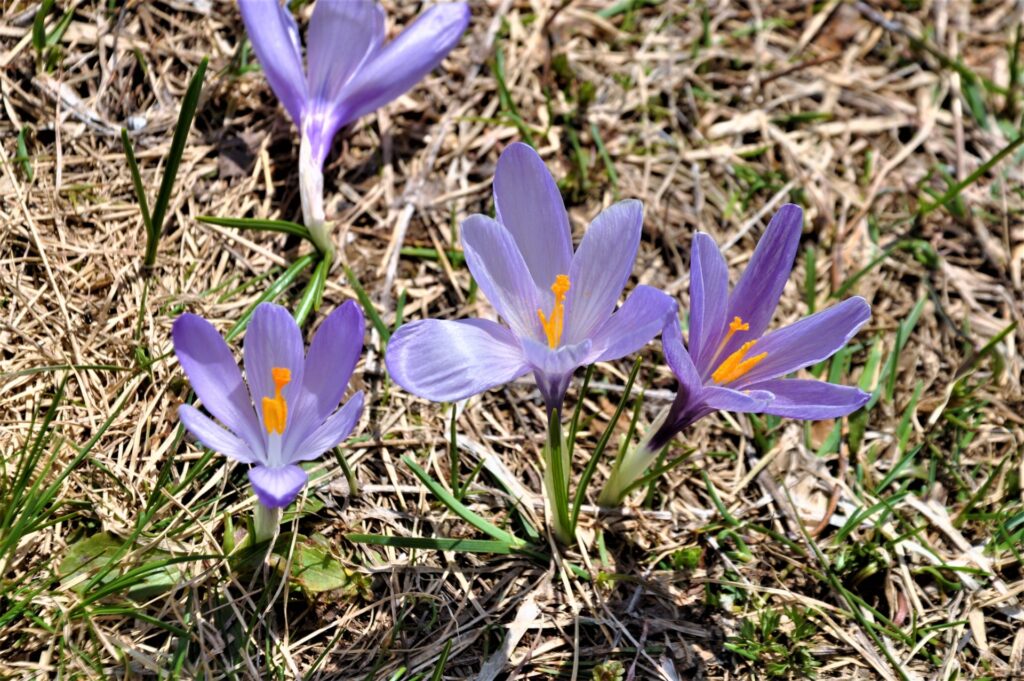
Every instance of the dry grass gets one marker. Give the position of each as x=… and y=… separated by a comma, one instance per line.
x=712, y=114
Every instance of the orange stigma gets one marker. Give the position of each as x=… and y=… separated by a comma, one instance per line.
x=552, y=324
x=275, y=409
x=735, y=365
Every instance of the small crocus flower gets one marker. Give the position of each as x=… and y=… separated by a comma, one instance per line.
x=288, y=413
x=349, y=72
x=559, y=306
x=733, y=364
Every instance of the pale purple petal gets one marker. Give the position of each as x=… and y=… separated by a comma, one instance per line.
x=277, y=487
x=709, y=299
x=808, y=341
x=499, y=270
x=341, y=37
x=446, y=361
x=215, y=377
x=746, y=401
x=529, y=205
x=329, y=364
x=214, y=437
x=331, y=432
x=688, y=405
x=553, y=369
x=811, y=399
x=273, y=340
x=678, y=359
x=633, y=325
x=275, y=39
x=601, y=266
x=403, y=62
x=758, y=291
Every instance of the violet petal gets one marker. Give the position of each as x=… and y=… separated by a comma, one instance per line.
x=445, y=361
x=275, y=39
x=758, y=291
x=529, y=205
x=273, y=340
x=808, y=341
x=811, y=399
x=633, y=325
x=277, y=487
x=601, y=267
x=213, y=436
x=500, y=271
x=331, y=432
x=330, y=361
x=403, y=62
x=709, y=299
x=215, y=377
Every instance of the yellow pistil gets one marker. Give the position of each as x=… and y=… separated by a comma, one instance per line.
x=552, y=323
x=735, y=365
x=275, y=409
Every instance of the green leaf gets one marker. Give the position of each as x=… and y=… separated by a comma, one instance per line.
x=88, y=556
x=368, y=307
x=433, y=543
x=163, y=198
x=315, y=569
x=255, y=224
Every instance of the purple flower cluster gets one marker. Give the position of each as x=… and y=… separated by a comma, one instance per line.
x=558, y=305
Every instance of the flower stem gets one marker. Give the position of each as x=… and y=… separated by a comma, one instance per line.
x=625, y=472
x=556, y=479
x=265, y=522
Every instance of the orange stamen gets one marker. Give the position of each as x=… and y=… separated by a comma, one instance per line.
x=275, y=409
x=553, y=323
x=736, y=366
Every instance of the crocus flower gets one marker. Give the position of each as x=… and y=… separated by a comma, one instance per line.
x=559, y=306
x=732, y=363
x=287, y=414
x=349, y=72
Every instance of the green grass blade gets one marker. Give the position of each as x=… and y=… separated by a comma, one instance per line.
x=954, y=191
x=461, y=509
x=140, y=190
x=39, y=26
x=434, y=543
x=368, y=308
x=22, y=156
x=163, y=198
x=439, y=668
x=255, y=224
x=276, y=289
x=314, y=293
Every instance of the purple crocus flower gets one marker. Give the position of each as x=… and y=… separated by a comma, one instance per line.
x=732, y=363
x=559, y=306
x=287, y=414
x=350, y=72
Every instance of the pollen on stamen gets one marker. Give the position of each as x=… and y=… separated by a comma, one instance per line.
x=275, y=409
x=553, y=323
x=737, y=364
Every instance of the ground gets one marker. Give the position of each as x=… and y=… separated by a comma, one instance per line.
x=886, y=545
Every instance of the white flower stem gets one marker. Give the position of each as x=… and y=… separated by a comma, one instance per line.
x=311, y=191
x=265, y=522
